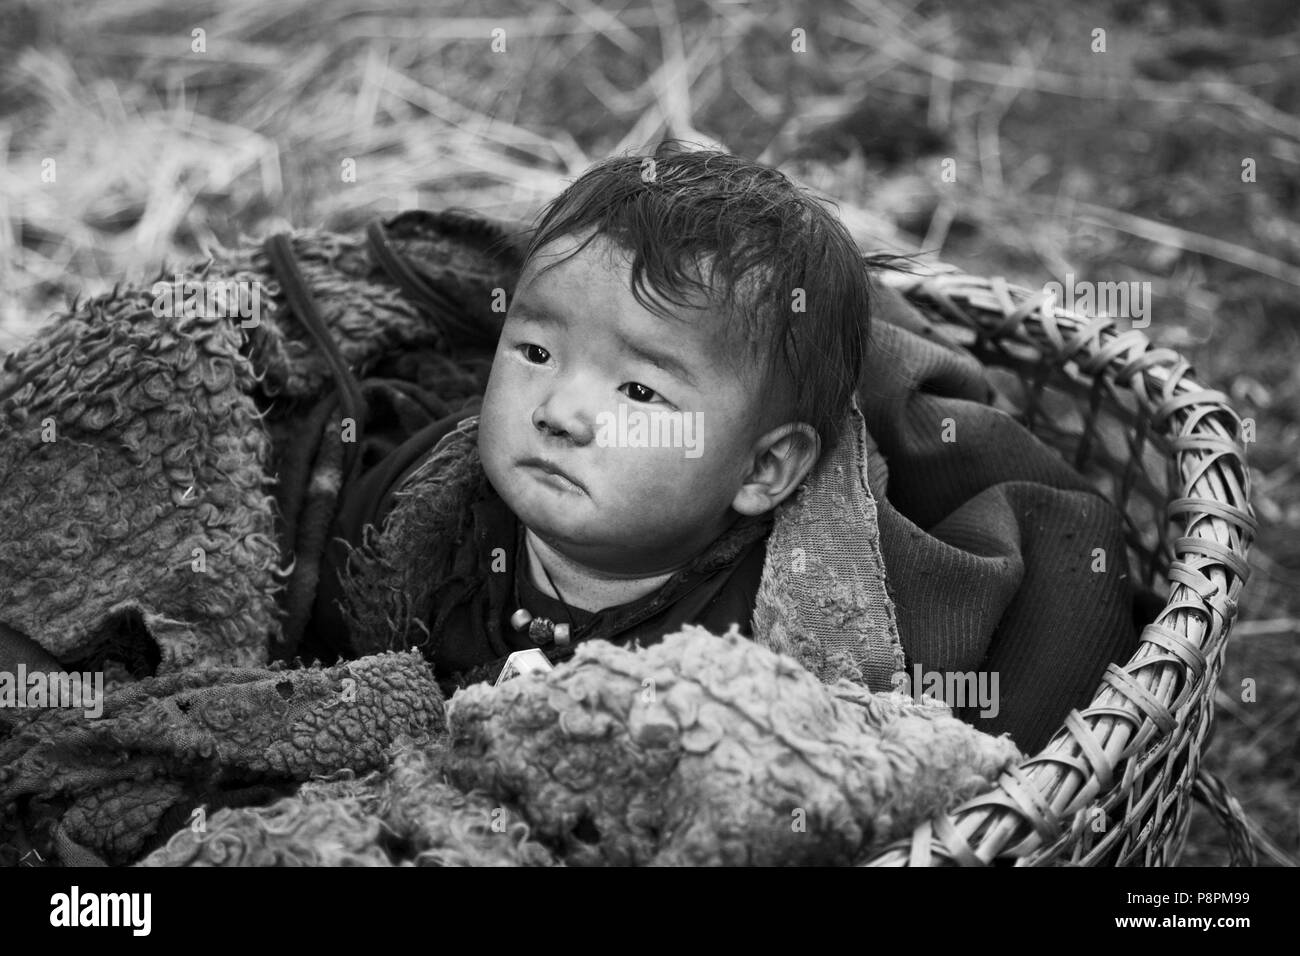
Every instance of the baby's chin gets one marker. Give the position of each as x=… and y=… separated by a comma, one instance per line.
x=580, y=531
x=573, y=520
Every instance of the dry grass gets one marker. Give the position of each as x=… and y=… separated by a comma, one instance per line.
x=1116, y=166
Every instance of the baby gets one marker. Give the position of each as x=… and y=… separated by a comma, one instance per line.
x=683, y=341
x=703, y=289
x=687, y=336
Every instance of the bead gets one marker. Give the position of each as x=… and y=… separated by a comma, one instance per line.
x=520, y=619
x=561, y=635
x=541, y=630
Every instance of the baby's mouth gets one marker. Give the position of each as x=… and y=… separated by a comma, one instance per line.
x=554, y=476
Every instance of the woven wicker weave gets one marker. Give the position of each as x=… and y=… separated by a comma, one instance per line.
x=1113, y=786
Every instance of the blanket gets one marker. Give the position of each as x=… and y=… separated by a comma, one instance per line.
x=172, y=479
x=166, y=751
x=701, y=750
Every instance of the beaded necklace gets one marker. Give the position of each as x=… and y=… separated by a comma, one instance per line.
x=542, y=630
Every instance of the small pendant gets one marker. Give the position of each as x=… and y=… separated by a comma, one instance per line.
x=541, y=630
x=524, y=662
x=561, y=635
x=520, y=619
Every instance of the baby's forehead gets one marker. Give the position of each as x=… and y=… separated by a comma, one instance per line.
x=696, y=315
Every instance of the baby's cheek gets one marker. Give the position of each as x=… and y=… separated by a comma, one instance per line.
x=664, y=487
x=490, y=439
x=500, y=387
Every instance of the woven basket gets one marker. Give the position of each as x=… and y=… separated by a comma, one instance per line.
x=1113, y=786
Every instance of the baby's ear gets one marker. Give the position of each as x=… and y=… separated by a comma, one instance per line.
x=781, y=459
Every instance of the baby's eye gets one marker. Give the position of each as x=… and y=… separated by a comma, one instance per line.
x=534, y=353
x=640, y=393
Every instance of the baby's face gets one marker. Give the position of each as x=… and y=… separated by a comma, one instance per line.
x=585, y=384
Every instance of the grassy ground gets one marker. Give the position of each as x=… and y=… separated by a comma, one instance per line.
x=1122, y=164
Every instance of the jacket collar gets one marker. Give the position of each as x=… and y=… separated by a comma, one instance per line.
x=823, y=599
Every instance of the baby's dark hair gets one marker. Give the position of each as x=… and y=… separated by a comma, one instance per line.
x=747, y=238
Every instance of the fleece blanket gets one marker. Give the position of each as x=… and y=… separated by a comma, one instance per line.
x=172, y=478
x=701, y=750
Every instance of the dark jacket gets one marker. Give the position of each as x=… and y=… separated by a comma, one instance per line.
x=716, y=590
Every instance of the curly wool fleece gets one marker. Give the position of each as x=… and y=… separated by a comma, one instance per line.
x=700, y=750
x=166, y=746
x=407, y=816
x=138, y=443
x=131, y=456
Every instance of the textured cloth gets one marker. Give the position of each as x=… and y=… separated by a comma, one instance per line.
x=823, y=597
x=170, y=476
x=701, y=750
x=990, y=538
x=132, y=464
x=166, y=747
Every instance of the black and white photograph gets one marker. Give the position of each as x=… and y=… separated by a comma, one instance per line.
x=651, y=433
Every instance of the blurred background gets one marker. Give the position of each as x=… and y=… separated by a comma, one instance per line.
x=138, y=132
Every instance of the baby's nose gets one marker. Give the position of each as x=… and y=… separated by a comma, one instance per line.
x=561, y=416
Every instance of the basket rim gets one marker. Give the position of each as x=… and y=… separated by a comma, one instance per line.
x=1102, y=755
